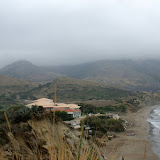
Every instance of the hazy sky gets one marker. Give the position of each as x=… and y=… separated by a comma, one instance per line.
x=75, y=31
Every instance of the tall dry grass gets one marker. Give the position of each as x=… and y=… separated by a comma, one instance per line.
x=60, y=149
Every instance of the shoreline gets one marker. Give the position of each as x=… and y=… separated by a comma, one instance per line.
x=154, y=132
x=133, y=147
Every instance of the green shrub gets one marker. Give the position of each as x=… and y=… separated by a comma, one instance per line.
x=103, y=124
x=88, y=108
x=63, y=115
x=115, y=125
x=22, y=115
x=92, y=121
x=3, y=137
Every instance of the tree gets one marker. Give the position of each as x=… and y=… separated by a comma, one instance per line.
x=63, y=115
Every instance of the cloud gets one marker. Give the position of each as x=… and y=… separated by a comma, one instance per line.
x=64, y=32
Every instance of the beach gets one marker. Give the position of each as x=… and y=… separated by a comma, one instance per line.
x=138, y=147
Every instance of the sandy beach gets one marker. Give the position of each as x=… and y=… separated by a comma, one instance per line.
x=137, y=147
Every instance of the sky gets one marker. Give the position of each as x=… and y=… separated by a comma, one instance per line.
x=60, y=32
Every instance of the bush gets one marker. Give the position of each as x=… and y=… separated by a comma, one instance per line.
x=88, y=108
x=2, y=118
x=93, y=121
x=3, y=137
x=115, y=125
x=37, y=109
x=22, y=115
x=63, y=115
x=122, y=108
x=103, y=125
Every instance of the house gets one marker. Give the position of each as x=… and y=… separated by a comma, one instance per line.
x=49, y=105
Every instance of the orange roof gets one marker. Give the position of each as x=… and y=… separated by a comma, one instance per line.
x=45, y=103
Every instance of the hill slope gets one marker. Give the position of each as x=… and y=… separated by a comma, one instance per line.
x=140, y=75
x=27, y=71
x=73, y=89
x=12, y=85
x=129, y=74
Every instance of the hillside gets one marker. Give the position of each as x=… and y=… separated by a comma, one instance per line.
x=133, y=75
x=142, y=75
x=11, y=85
x=35, y=136
x=73, y=89
x=27, y=71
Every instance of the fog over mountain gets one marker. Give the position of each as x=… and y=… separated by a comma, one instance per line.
x=71, y=32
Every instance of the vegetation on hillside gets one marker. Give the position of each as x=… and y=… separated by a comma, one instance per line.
x=9, y=85
x=63, y=116
x=73, y=90
x=140, y=75
x=35, y=134
x=88, y=108
x=103, y=124
x=20, y=113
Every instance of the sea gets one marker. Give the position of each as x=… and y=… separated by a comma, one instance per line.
x=154, y=132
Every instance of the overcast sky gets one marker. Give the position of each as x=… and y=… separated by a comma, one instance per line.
x=74, y=31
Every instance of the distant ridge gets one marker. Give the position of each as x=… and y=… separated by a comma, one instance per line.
x=133, y=75
x=27, y=71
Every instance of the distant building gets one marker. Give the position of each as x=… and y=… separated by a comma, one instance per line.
x=49, y=105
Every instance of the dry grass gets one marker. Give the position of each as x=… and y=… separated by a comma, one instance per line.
x=58, y=147
x=9, y=127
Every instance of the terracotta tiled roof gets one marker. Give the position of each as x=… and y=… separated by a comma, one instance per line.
x=48, y=103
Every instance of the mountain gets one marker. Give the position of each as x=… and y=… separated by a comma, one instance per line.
x=11, y=85
x=74, y=89
x=133, y=75
x=140, y=75
x=27, y=71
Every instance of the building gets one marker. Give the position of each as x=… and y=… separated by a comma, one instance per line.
x=49, y=105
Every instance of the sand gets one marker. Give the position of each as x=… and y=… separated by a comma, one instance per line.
x=137, y=147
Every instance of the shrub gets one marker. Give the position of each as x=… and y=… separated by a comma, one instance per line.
x=2, y=118
x=93, y=121
x=22, y=115
x=115, y=125
x=37, y=109
x=88, y=108
x=63, y=115
x=103, y=124
x=3, y=137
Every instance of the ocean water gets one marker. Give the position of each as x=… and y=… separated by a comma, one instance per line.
x=154, y=136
